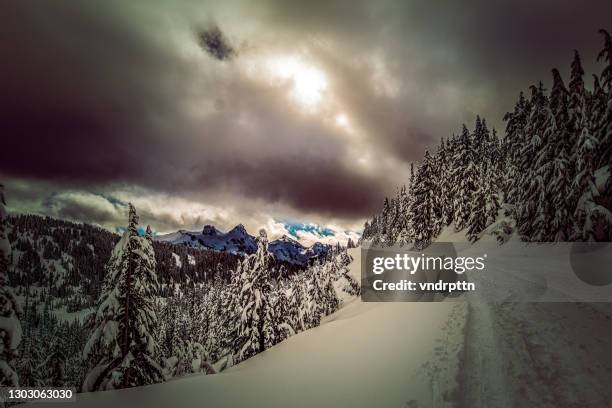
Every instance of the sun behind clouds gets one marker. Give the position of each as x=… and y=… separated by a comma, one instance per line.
x=308, y=82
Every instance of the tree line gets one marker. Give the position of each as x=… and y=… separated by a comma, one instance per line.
x=547, y=179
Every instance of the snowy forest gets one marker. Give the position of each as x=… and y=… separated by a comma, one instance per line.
x=140, y=318
x=546, y=180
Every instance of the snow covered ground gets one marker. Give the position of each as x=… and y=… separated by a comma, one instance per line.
x=365, y=355
x=465, y=354
x=535, y=354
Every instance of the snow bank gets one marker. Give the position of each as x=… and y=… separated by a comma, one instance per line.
x=366, y=355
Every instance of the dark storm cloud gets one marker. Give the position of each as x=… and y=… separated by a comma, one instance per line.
x=90, y=96
x=328, y=190
x=486, y=51
x=213, y=41
x=99, y=93
x=509, y=44
x=81, y=92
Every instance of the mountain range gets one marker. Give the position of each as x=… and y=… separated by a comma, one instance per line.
x=239, y=241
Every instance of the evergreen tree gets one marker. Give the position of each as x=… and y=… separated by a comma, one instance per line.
x=554, y=169
x=485, y=205
x=514, y=144
x=282, y=311
x=366, y=231
x=321, y=297
x=350, y=244
x=331, y=300
x=393, y=221
x=445, y=180
x=405, y=234
x=352, y=287
x=530, y=185
x=122, y=345
x=384, y=222
x=423, y=204
x=492, y=194
x=577, y=98
x=277, y=326
x=229, y=331
x=465, y=173
x=587, y=211
x=314, y=296
x=605, y=55
x=477, y=219
x=254, y=299
x=298, y=313
x=188, y=357
x=55, y=363
x=440, y=206
x=30, y=362
x=271, y=321
x=498, y=167
x=10, y=327
x=604, y=114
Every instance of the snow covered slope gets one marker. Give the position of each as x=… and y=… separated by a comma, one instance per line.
x=238, y=240
x=466, y=354
x=365, y=355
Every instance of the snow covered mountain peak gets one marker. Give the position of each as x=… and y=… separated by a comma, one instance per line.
x=210, y=230
x=239, y=241
x=238, y=231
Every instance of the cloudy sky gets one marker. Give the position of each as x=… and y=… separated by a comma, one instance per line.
x=294, y=116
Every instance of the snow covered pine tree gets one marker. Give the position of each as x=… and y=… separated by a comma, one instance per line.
x=254, y=294
x=321, y=296
x=10, y=327
x=298, y=312
x=122, y=348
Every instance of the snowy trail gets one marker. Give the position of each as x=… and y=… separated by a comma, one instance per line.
x=540, y=355
x=534, y=354
x=482, y=376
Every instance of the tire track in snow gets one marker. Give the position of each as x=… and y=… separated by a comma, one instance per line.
x=533, y=355
x=481, y=378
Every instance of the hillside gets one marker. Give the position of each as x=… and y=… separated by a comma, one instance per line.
x=60, y=274
x=68, y=259
x=445, y=354
x=366, y=354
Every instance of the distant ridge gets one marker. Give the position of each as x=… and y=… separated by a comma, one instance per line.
x=239, y=241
